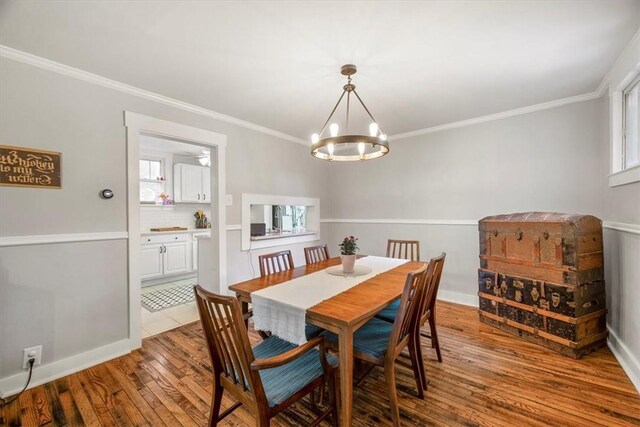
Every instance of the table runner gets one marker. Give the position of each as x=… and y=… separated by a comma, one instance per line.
x=282, y=308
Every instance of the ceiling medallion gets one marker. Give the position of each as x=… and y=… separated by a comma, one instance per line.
x=349, y=147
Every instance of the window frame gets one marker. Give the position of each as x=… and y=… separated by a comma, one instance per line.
x=625, y=92
x=163, y=173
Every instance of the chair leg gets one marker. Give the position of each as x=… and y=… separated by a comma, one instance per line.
x=434, y=336
x=390, y=377
x=415, y=354
x=262, y=420
x=321, y=394
x=420, y=357
x=215, y=404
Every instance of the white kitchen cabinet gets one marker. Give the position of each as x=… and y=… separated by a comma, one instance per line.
x=151, y=257
x=192, y=184
x=176, y=258
x=165, y=255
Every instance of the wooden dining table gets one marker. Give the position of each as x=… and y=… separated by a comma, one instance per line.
x=341, y=314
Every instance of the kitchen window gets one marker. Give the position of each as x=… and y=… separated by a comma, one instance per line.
x=631, y=125
x=152, y=179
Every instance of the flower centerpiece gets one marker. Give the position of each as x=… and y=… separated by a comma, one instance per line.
x=166, y=199
x=348, y=249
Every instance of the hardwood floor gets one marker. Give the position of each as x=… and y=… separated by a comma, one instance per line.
x=487, y=378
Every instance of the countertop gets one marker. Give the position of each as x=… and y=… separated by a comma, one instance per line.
x=190, y=230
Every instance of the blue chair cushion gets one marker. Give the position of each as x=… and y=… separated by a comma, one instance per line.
x=312, y=331
x=282, y=382
x=389, y=312
x=372, y=338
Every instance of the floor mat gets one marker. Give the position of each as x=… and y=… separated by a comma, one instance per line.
x=165, y=298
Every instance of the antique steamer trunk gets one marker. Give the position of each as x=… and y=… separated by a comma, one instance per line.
x=541, y=277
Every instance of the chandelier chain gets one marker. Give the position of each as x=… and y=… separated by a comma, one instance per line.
x=364, y=106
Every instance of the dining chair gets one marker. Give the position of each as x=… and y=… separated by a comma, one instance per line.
x=403, y=249
x=428, y=312
x=267, y=378
x=275, y=262
x=315, y=254
x=380, y=343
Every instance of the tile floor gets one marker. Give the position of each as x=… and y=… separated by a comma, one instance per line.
x=160, y=321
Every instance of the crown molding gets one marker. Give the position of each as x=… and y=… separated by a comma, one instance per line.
x=504, y=114
x=46, y=64
x=27, y=58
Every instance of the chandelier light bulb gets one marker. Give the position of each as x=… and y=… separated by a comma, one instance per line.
x=333, y=129
x=361, y=150
x=330, y=149
x=373, y=129
x=315, y=138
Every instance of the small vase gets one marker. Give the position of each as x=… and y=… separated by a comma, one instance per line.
x=348, y=263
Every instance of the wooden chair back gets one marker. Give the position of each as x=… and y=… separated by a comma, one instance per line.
x=315, y=254
x=408, y=310
x=275, y=262
x=403, y=249
x=431, y=288
x=228, y=344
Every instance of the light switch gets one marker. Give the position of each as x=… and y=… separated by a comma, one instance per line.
x=229, y=200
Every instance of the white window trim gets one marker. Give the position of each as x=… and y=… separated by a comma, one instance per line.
x=166, y=160
x=624, y=71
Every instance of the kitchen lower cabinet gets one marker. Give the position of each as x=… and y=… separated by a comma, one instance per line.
x=165, y=255
x=176, y=257
x=151, y=261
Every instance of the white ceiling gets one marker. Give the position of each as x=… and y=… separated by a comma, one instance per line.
x=277, y=64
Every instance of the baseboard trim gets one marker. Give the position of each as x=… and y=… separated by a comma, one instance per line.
x=470, y=300
x=626, y=359
x=67, y=366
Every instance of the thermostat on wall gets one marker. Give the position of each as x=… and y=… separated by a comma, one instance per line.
x=106, y=194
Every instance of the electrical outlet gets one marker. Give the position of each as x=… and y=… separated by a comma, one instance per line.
x=229, y=200
x=31, y=353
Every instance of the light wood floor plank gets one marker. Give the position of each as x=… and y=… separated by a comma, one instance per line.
x=487, y=378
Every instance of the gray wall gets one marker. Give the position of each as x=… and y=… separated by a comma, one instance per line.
x=622, y=259
x=546, y=161
x=72, y=297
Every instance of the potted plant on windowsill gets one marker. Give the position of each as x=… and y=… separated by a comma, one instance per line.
x=348, y=249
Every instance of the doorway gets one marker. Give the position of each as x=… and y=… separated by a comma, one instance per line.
x=172, y=170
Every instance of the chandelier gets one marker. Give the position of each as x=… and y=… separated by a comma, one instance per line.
x=349, y=147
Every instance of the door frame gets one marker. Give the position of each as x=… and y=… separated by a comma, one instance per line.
x=135, y=125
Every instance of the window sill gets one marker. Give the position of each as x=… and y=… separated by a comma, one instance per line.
x=627, y=176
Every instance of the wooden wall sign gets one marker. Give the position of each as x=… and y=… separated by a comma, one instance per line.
x=28, y=167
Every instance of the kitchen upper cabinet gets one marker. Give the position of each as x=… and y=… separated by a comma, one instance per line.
x=192, y=184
